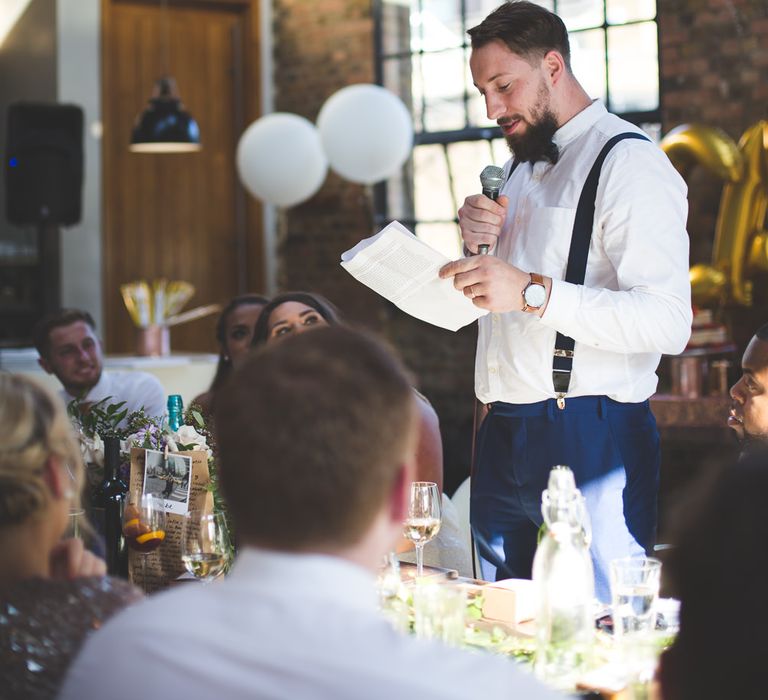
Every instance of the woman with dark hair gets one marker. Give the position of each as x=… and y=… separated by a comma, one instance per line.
x=719, y=569
x=234, y=331
x=294, y=312
x=297, y=312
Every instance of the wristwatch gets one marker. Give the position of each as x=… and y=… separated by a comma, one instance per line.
x=534, y=294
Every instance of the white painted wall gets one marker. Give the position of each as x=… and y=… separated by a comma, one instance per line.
x=78, y=31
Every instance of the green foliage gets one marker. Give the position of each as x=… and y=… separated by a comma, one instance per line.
x=100, y=417
x=194, y=416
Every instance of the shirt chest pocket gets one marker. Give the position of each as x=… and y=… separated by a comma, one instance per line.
x=548, y=239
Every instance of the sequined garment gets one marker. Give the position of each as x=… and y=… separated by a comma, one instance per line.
x=44, y=622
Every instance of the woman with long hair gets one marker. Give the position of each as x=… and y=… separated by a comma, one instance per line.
x=53, y=592
x=234, y=331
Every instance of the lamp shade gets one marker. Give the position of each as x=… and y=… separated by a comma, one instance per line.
x=164, y=126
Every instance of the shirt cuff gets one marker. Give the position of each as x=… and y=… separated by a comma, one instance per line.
x=564, y=301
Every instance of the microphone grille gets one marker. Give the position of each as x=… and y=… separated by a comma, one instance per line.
x=492, y=177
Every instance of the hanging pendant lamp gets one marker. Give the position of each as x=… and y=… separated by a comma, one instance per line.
x=164, y=126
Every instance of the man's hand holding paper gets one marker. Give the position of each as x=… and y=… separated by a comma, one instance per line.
x=490, y=283
x=404, y=269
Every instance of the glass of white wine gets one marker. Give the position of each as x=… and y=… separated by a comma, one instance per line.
x=423, y=521
x=205, y=545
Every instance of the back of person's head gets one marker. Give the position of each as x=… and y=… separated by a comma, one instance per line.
x=33, y=427
x=762, y=332
x=312, y=434
x=527, y=29
x=41, y=334
x=315, y=301
x=719, y=570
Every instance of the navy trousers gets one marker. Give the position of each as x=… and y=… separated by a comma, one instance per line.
x=612, y=449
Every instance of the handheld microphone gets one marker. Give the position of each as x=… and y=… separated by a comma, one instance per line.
x=491, y=179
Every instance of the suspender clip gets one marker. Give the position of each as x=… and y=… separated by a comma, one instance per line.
x=561, y=401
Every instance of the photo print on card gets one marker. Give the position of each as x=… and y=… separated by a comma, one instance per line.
x=168, y=477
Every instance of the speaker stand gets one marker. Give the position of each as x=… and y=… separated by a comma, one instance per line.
x=49, y=266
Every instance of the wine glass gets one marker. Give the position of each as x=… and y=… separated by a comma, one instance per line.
x=144, y=526
x=205, y=545
x=423, y=521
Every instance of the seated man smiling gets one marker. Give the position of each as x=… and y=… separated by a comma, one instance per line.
x=316, y=437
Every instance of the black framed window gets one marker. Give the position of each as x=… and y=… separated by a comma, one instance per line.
x=423, y=56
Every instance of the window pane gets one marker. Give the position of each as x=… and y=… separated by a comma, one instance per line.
x=501, y=152
x=467, y=159
x=633, y=67
x=581, y=14
x=398, y=74
x=443, y=237
x=620, y=11
x=399, y=201
x=588, y=61
x=433, y=191
x=441, y=80
x=478, y=10
x=395, y=26
x=437, y=26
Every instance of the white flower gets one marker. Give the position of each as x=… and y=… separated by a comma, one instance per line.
x=92, y=449
x=186, y=435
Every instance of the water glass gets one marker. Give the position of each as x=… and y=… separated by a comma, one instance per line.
x=76, y=516
x=635, y=593
x=439, y=612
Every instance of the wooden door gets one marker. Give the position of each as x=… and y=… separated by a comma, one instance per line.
x=179, y=216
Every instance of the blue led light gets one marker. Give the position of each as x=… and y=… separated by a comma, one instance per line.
x=13, y=162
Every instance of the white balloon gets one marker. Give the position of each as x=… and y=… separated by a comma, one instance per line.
x=366, y=131
x=280, y=159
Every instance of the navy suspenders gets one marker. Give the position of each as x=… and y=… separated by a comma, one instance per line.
x=562, y=362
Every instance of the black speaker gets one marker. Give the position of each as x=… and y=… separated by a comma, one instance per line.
x=44, y=163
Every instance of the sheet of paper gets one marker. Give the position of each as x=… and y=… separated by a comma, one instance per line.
x=404, y=270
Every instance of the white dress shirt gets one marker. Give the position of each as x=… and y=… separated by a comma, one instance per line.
x=137, y=389
x=635, y=303
x=286, y=626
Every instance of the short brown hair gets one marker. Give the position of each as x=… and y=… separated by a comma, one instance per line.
x=312, y=432
x=41, y=335
x=527, y=29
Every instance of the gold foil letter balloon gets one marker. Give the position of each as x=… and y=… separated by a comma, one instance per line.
x=740, y=243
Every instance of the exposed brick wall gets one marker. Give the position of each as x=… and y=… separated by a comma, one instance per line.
x=321, y=47
x=714, y=71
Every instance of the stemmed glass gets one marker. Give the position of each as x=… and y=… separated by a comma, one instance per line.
x=205, y=545
x=423, y=521
x=144, y=526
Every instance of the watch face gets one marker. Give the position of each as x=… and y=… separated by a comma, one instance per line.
x=535, y=295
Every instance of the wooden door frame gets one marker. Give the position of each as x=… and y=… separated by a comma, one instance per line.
x=249, y=210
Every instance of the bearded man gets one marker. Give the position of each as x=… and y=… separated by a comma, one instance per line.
x=587, y=286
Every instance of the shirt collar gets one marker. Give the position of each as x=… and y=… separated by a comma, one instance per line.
x=579, y=123
x=99, y=390
x=324, y=576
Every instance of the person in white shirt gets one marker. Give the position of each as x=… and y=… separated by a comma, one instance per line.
x=70, y=349
x=316, y=439
x=566, y=358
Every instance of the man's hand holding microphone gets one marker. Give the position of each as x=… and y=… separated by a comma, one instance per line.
x=491, y=283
